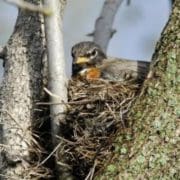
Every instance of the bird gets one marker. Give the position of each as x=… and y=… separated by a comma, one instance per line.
x=90, y=62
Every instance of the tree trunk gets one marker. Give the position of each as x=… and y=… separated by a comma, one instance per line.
x=150, y=149
x=20, y=89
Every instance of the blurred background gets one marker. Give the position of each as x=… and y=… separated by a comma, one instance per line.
x=138, y=26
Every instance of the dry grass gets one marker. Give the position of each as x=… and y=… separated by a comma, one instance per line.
x=96, y=111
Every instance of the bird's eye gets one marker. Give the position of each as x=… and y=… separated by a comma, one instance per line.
x=94, y=53
x=91, y=54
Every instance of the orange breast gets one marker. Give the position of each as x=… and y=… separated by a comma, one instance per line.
x=93, y=73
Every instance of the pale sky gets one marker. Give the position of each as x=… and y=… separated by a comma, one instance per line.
x=138, y=26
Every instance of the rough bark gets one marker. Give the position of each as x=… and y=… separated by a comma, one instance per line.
x=149, y=148
x=20, y=89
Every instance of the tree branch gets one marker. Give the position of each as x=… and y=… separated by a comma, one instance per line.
x=55, y=49
x=103, y=26
x=57, y=77
x=128, y=2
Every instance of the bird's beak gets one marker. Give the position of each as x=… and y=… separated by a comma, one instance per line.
x=81, y=60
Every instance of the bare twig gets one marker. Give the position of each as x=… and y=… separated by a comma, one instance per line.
x=30, y=7
x=68, y=103
x=7, y=177
x=103, y=27
x=91, y=172
x=55, y=50
x=50, y=93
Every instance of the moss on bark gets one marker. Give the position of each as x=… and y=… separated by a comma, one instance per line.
x=149, y=149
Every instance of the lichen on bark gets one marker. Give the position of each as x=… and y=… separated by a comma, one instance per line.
x=149, y=149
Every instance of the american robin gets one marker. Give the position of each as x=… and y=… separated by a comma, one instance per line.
x=90, y=62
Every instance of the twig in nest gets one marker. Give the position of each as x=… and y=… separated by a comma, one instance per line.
x=55, y=149
x=8, y=177
x=91, y=172
x=112, y=112
x=70, y=103
x=65, y=140
x=50, y=93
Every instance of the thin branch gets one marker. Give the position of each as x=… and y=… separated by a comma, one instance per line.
x=57, y=77
x=7, y=177
x=91, y=172
x=30, y=7
x=68, y=103
x=56, y=61
x=50, y=93
x=51, y=154
x=103, y=26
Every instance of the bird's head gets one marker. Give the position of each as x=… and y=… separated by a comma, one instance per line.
x=87, y=54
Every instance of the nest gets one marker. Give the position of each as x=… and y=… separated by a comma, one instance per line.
x=96, y=111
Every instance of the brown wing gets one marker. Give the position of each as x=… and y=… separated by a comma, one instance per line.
x=122, y=69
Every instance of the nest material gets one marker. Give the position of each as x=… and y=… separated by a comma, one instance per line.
x=96, y=110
